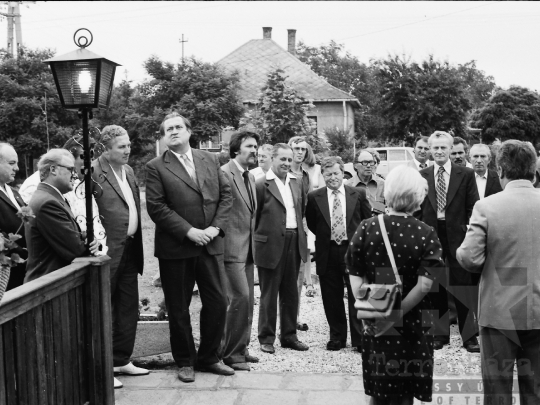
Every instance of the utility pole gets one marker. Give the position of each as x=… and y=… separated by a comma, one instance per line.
x=182, y=42
x=14, y=24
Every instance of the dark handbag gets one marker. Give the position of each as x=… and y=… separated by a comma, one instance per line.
x=379, y=301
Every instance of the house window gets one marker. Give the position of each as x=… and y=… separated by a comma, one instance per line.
x=314, y=118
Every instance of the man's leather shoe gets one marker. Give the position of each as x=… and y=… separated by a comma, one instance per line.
x=216, y=368
x=334, y=345
x=251, y=359
x=302, y=326
x=295, y=345
x=472, y=346
x=240, y=366
x=438, y=345
x=268, y=348
x=186, y=374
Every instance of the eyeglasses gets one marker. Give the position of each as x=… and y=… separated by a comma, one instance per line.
x=367, y=163
x=70, y=168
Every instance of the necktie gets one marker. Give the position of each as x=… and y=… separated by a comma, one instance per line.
x=189, y=167
x=441, y=190
x=338, y=227
x=245, y=175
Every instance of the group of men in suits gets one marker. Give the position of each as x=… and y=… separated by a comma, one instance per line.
x=453, y=190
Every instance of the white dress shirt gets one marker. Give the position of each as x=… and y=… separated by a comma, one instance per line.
x=286, y=195
x=481, y=182
x=258, y=172
x=11, y=196
x=341, y=195
x=128, y=195
x=417, y=163
x=447, y=169
x=242, y=170
x=189, y=155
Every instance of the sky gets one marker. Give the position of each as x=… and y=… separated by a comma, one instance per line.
x=501, y=36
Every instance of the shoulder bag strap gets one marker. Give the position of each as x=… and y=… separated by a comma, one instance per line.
x=389, y=249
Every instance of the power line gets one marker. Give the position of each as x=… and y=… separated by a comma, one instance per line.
x=414, y=22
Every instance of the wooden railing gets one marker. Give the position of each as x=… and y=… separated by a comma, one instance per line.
x=56, y=338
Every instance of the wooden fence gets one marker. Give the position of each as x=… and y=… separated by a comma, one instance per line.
x=56, y=338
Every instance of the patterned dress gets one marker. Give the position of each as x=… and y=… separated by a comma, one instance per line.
x=400, y=362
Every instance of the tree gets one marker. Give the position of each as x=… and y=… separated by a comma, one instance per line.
x=29, y=104
x=510, y=114
x=478, y=87
x=281, y=112
x=202, y=92
x=344, y=71
x=419, y=98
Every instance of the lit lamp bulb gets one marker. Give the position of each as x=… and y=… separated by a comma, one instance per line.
x=85, y=81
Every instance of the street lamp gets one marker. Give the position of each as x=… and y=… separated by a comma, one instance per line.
x=84, y=81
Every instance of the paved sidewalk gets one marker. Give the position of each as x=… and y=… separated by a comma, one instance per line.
x=244, y=388
x=259, y=388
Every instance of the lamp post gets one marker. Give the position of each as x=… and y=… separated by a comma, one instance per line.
x=84, y=81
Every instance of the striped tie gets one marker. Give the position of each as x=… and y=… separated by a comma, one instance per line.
x=441, y=190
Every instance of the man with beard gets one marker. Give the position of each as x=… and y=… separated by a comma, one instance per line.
x=487, y=180
x=238, y=255
x=458, y=155
x=280, y=244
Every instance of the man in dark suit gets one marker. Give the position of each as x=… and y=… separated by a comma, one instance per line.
x=333, y=213
x=10, y=203
x=238, y=257
x=447, y=208
x=119, y=205
x=280, y=243
x=189, y=198
x=487, y=180
x=53, y=236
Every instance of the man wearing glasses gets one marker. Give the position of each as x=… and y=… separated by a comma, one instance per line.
x=374, y=185
x=53, y=237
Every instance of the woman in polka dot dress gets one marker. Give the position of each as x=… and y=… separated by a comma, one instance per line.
x=398, y=365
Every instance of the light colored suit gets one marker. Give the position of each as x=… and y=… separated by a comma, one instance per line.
x=502, y=244
x=238, y=257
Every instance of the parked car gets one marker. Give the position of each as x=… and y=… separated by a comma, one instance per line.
x=391, y=157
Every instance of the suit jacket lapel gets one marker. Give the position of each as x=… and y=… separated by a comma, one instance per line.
x=239, y=182
x=350, y=200
x=491, y=179
x=8, y=201
x=456, y=176
x=322, y=201
x=175, y=167
x=200, y=167
x=274, y=190
x=432, y=194
x=111, y=177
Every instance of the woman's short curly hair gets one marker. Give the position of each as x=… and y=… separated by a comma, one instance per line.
x=405, y=189
x=110, y=133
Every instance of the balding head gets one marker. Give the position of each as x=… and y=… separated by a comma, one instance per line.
x=9, y=163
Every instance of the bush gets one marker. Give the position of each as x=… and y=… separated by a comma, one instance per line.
x=341, y=144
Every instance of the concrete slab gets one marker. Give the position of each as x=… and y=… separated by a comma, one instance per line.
x=146, y=397
x=315, y=382
x=253, y=380
x=335, y=397
x=141, y=381
x=221, y=397
x=269, y=397
x=202, y=381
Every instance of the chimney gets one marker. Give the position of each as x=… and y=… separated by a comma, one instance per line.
x=267, y=32
x=292, y=42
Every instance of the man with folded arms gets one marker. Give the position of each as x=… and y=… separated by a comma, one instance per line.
x=280, y=243
x=333, y=213
x=238, y=255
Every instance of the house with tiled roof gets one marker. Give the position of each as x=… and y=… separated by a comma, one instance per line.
x=257, y=58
